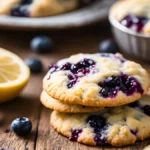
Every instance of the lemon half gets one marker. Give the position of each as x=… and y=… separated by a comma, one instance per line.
x=14, y=75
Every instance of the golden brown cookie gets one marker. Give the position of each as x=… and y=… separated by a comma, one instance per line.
x=99, y=80
x=147, y=147
x=118, y=126
x=36, y=8
x=59, y=106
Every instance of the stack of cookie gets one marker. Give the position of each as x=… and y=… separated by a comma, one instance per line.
x=80, y=88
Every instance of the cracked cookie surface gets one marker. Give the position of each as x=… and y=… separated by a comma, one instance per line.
x=99, y=80
x=117, y=126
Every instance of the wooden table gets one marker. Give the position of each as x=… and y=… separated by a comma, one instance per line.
x=43, y=137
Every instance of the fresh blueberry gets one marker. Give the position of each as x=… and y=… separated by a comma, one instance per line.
x=41, y=44
x=21, y=126
x=34, y=64
x=108, y=46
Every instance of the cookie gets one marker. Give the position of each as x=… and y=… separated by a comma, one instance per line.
x=118, y=126
x=99, y=80
x=134, y=14
x=147, y=147
x=36, y=8
x=59, y=106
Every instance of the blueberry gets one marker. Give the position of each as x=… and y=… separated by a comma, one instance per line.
x=41, y=44
x=66, y=66
x=87, y=62
x=113, y=84
x=72, y=80
x=20, y=11
x=75, y=134
x=34, y=64
x=82, y=65
x=21, y=126
x=96, y=122
x=108, y=46
x=134, y=22
x=52, y=68
x=134, y=132
x=99, y=125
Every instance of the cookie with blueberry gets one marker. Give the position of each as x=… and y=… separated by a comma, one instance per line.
x=133, y=14
x=36, y=8
x=99, y=80
x=59, y=106
x=117, y=126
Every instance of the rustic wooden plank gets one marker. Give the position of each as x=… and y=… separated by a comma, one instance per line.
x=26, y=105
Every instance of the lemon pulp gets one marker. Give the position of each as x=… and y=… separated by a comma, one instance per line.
x=14, y=75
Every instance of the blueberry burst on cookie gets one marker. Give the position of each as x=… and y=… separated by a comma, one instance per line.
x=96, y=80
x=133, y=14
x=118, y=126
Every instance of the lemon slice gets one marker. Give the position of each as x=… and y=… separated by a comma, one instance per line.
x=14, y=75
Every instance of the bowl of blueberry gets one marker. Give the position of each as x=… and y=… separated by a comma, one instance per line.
x=130, y=21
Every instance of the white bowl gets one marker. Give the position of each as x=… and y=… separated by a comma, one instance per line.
x=130, y=42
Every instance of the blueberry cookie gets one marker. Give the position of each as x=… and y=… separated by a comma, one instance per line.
x=99, y=80
x=36, y=8
x=59, y=106
x=117, y=126
x=134, y=14
x=147, y=147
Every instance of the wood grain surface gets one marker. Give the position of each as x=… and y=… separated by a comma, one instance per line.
x=43, y=137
